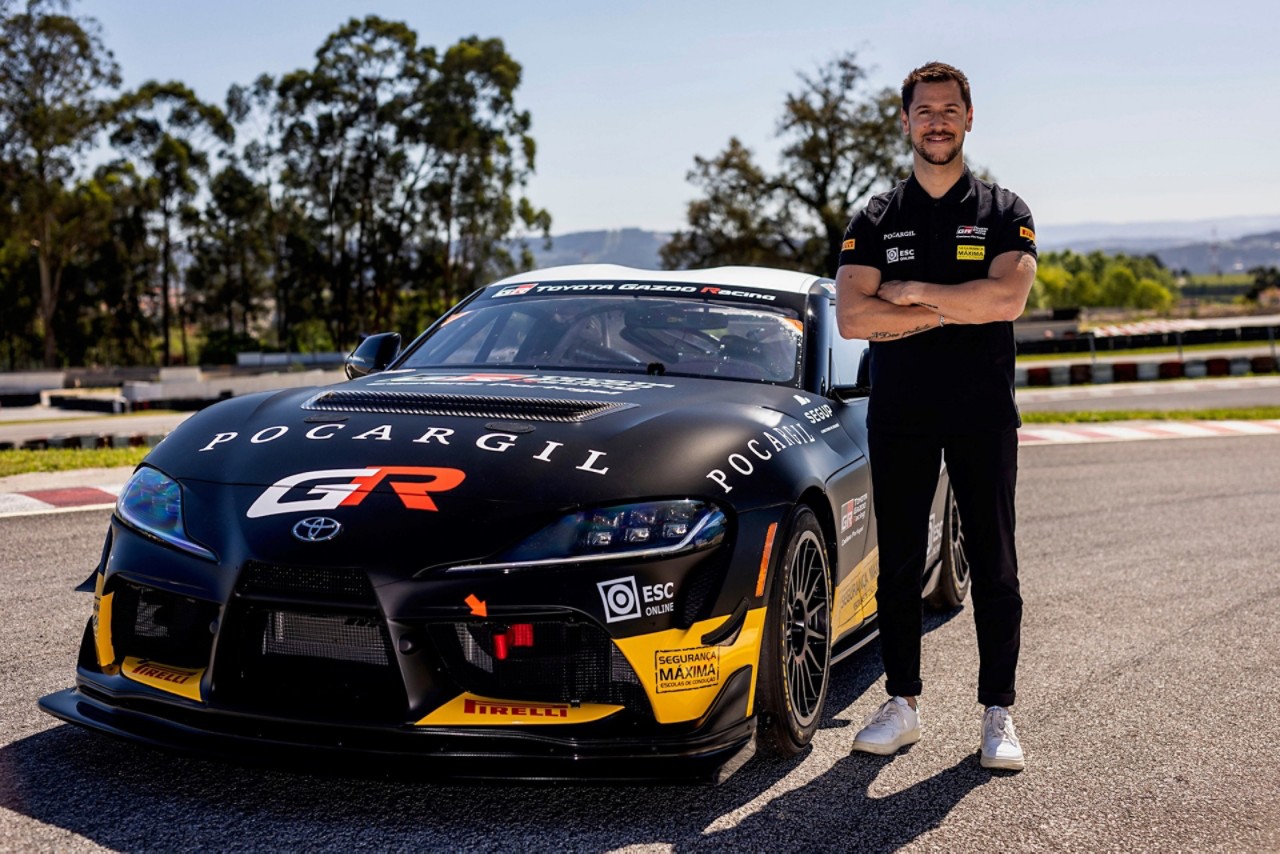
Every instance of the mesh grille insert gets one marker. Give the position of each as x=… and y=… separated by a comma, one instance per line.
x=463, y=405
x=313, y=583
x=325, y=636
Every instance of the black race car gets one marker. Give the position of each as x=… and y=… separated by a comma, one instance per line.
x=595, y=521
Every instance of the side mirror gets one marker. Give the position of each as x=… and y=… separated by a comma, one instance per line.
x=863, y=381
x=373, y=355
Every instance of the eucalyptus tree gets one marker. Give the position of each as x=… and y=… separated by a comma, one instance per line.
x=841, y=142
x=231, y=262
x=169, y=130
x=483, y=158
x=348, y=166
x=56, y=78
x=407, y=164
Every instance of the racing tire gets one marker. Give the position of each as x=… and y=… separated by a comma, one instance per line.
x=954, y=578
x=795, y=654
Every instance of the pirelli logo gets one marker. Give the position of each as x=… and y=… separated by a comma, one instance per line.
x=971, y=253
x=848, y=244
x=1023, y=231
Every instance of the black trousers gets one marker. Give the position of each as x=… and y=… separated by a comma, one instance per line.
x=984, y=472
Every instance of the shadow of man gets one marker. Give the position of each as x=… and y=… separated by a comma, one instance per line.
x=802, y=819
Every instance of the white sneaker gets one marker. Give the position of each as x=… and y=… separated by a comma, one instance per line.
x=895, y=724
x=1000, y=747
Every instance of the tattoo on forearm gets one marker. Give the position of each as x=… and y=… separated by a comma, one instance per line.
x=891, y=336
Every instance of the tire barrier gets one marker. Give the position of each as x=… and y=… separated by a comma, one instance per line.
x=1098, y=373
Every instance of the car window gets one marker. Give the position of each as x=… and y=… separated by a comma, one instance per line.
x=846, y=353
x=621, y=333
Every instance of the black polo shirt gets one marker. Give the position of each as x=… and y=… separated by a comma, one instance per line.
x=957, y=378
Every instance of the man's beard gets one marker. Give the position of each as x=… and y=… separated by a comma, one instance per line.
x=938, y=159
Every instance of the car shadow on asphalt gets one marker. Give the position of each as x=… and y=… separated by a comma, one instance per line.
x=125, y=796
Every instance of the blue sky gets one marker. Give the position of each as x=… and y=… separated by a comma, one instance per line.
x=1092, y=111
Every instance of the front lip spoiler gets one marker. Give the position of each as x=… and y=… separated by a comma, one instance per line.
x=459, y=753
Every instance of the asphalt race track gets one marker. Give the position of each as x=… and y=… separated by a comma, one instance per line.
x=1150, y=708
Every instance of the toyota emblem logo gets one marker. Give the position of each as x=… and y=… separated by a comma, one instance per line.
x=317, y=529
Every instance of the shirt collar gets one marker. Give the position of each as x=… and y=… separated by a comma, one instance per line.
x=960, y=191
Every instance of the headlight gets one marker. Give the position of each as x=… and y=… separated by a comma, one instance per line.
x=152, y=503
x=624, y=530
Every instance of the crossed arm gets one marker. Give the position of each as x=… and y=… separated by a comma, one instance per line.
x=873, y=310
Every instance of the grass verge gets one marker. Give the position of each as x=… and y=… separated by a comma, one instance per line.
x=66, y=459
x=1171, y=352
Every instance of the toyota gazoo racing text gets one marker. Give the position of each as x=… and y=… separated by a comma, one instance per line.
x=595, y=521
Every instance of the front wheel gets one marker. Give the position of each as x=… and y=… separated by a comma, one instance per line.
x=953, y=583
x=795, y=655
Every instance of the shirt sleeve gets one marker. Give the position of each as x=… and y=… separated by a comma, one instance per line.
x=859, y=242
x=1017, y=231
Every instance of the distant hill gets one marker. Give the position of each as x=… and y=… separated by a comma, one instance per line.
x=1241, y=243
x=1085, y=237
x=1229, y=244
x=632, y=247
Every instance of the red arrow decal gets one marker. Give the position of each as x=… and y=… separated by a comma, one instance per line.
x=477, y=606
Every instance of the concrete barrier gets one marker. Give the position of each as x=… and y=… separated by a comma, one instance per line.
x=1195, y=369
x=1148, y=371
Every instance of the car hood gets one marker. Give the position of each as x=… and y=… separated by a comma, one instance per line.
x=448, y=451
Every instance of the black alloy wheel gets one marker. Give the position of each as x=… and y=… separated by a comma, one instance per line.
x=796, y=651
x=953, y=583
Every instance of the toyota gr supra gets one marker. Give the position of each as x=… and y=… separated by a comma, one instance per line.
x=594, y=522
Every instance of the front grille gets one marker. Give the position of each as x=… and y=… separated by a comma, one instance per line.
x=309, y=664
x=358, y=639
x=155, y=624
x=463, y=405
x=311, y=583
x=566, y=663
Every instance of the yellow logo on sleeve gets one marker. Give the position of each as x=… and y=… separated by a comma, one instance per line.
x=848, y=244
x=1023, y=231
x=970, y=253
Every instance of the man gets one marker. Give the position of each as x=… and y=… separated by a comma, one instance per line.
x=932, y=274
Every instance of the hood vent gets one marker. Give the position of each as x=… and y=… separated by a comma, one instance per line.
x=463, y=405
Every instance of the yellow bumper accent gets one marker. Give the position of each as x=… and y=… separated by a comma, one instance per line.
x=470, y=710
x=183, y=681
x=102, y=625
x=681, y=676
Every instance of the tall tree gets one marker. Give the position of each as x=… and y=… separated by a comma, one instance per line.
x=841, y=142
x=483, y=158
x=55, y=75
x=169, y=129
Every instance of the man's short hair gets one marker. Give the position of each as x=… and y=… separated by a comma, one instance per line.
x=935, y=72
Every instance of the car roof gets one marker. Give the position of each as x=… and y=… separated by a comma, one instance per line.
x=786, y=281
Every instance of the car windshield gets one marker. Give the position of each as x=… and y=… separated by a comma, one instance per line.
x=628, y=334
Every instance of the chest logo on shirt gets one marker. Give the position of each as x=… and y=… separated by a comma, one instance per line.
x=898, y=235
x=972, y=232
x=970, y=253
x=894, y=254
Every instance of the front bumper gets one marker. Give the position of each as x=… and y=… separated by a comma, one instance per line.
x=710, y=754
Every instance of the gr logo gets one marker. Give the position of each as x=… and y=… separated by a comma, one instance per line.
x=621, y=599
